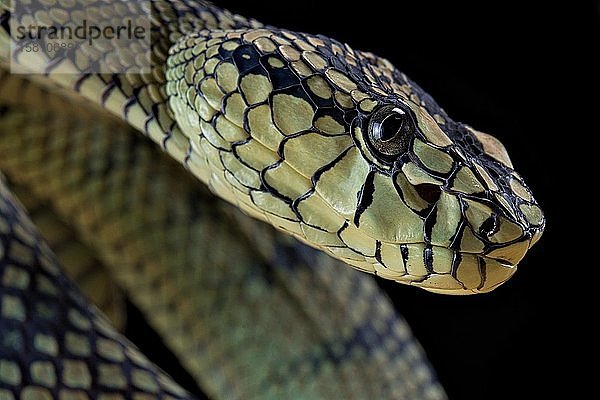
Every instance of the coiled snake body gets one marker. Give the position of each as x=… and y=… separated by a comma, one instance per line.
x=330, y=145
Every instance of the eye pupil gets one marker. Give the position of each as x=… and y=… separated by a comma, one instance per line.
x=391, y=127
x=389, y=132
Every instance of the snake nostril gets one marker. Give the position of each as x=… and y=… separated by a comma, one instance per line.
x=489, y=226
x=428, y=192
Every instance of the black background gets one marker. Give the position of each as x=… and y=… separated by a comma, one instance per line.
x=506, y=69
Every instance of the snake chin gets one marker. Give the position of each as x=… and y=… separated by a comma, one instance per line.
x=479, y=275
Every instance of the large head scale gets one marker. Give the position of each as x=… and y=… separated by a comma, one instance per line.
x=341, y=150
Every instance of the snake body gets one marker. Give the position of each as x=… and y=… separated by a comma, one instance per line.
x=330, y=145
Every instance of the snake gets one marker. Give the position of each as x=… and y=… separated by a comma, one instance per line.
x=242, y=184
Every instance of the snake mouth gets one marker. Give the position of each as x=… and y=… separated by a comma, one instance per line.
x=485, y=272
x=441, y=269
x=472, y=274
x=500, y=261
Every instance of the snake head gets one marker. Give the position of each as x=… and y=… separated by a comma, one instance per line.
x=479, y=217
x=341, y=150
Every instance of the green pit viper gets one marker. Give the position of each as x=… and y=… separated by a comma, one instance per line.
x=333, y=147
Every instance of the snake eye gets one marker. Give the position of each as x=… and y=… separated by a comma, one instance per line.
x=389, y=130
